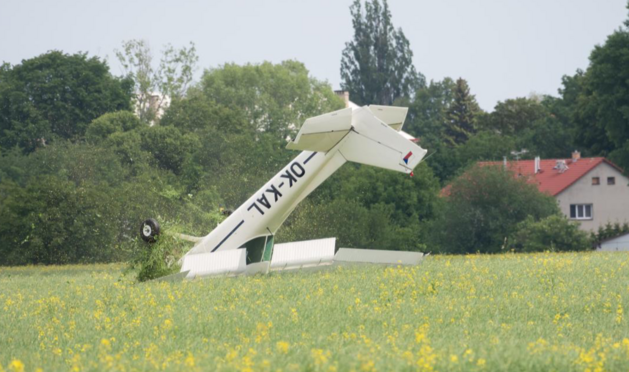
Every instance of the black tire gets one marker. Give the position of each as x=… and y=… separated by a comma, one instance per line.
x=149, y=230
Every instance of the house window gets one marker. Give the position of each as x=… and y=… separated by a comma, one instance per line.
x=581, y=211
x=596, y=181
x=611, y=180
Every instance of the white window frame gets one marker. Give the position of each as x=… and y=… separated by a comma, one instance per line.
x=580, y=211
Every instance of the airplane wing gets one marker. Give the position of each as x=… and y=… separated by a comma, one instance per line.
x=323, y=132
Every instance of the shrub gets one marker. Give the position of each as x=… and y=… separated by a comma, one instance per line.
x=482, y=209
x=160, y=258
x=554, y=233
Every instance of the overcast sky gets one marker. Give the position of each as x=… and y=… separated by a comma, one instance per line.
x=504, y=48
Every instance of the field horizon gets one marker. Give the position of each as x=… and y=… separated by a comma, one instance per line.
x=543, y=311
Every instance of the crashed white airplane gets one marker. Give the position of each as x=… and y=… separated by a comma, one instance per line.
x=243, y=243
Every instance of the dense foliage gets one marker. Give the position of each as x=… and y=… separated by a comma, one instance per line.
x=79, y=170
x=483, y=208
x=554, y=233
x=56, y=95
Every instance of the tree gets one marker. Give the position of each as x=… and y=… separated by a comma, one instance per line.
x=427, y=112
x=460, y=118
x=513, y=116
x=353, y=224
x=56, y=95
x=154, y=88
x=275, y=98
x=602, y=109
x=486, y=146
x=112, y=122
x=377, y=65
x=197, y=113
x=412, y=198
x=482, y=209
x=169, y=146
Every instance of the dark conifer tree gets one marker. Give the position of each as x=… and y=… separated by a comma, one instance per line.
x=459, y=125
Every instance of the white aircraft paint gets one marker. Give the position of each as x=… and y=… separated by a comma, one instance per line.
x=367, y=135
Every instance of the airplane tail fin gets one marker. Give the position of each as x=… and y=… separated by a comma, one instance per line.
x=367, y=135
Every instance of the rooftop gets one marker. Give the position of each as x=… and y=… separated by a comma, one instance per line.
x=549, y=179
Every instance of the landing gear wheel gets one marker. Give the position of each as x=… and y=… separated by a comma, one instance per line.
x=149, y=230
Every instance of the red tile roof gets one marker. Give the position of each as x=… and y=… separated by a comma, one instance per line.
x=550, y=180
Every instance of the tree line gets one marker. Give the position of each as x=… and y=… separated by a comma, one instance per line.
x=86, y=155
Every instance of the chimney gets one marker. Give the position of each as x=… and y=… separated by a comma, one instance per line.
x=576, y=155
x=504, y=162
x=344, y=96
x=537, y=164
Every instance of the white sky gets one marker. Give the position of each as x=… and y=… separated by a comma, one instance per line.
x=504, y=48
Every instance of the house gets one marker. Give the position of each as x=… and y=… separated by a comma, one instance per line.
x=591, y=191
x=616, y=244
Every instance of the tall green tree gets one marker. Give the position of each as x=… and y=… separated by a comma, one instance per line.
x=427, y=112
x=56, y=95
x=377, y=65
x=602, y=107
x=460, y=121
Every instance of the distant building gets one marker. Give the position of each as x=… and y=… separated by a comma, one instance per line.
x=591, y=191
x=155, y=103
x=344, y=95
x=616, y=244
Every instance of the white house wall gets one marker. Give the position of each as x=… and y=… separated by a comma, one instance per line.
x=609, y=202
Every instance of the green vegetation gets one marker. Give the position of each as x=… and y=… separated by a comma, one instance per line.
x=507, y=312
x=85, y=157
x=461, y=116
x=377, y=64
x=56, y=95
x=483, y=209
x=555, y=233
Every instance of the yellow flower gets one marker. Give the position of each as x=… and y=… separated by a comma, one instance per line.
x=16, y=365
x=282, y=347
x=319, y=356
x=189, y=361
x=368, y=366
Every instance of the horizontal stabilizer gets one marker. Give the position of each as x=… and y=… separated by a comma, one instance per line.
x=390, y=115
x=352, y=255
x=321, y=133
x=374, y=143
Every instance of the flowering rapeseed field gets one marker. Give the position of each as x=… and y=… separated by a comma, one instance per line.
x=510, y=312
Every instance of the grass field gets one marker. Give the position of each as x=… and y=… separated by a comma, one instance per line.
x=563, y=312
